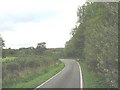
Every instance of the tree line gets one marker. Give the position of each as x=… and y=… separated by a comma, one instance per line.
x=38, y=50
x=95, y=40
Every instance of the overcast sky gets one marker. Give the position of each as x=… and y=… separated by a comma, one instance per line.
x=25, y=23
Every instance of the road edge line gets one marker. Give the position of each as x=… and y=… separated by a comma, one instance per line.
x=49, y=79
x=81, y=79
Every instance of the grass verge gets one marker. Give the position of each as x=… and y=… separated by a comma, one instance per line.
x=90, y=80
x=40, y=79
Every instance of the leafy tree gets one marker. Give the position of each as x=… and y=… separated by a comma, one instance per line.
x=41, y=47
x=2, y=43
x=95, y=40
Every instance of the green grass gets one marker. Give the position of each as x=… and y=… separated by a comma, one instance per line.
x=40, y=79
x=26, y=69
x=90, y=80
x=7, y=59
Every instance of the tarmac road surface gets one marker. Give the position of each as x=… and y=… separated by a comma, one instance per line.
x=69, y=77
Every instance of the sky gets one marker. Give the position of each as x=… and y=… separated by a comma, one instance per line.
x=24, y=23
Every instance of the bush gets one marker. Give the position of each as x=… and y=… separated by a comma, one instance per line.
x=13, y=66
x=23, y=69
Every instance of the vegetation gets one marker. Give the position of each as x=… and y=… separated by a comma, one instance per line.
x=90, y=79
x=8, y=59
x=95, y=40
x=41, y=78
x=25, y=69
x=2, y=44
x=28, y=67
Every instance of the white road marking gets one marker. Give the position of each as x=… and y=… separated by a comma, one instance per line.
x=49, y=79
x=81, y=79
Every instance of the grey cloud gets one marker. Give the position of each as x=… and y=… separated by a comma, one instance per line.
x=31, y=16
x=7, y=21
x=6, y=28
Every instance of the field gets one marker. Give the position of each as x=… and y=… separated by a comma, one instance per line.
x=7, y=59
x=30, y=71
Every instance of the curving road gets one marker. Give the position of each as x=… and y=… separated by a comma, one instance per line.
x=69, y=77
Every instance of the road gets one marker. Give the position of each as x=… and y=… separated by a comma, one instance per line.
x=69, y=77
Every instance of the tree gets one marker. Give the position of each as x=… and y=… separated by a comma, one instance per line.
x=41, y=47
x=95, y=39
x=2, y=44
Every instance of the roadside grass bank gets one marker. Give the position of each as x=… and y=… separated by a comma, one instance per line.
x=29, y=71
x=90, y=79
x=41, y=78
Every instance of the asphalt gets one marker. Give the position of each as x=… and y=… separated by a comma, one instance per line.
x=69, y=77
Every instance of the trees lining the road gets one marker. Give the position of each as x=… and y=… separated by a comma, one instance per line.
x=95, y=40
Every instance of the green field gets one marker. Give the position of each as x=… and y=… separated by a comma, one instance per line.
x=7, y=59
x=29, y=71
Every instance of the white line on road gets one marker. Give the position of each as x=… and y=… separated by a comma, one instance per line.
x=49, y=79
x=81, y=79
